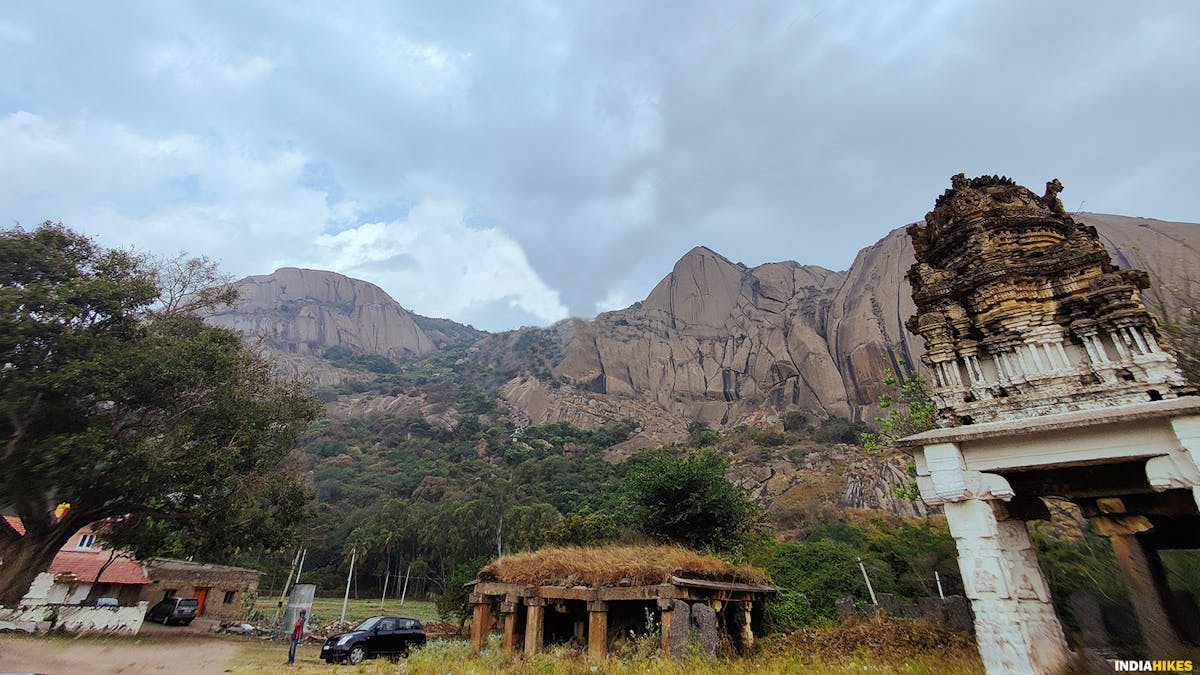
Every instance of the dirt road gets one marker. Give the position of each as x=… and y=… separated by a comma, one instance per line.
x=55, y=655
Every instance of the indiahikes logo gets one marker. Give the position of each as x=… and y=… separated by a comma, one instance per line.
x=1176, y=666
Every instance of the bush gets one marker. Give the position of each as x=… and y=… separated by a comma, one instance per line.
x=840, y=430
x=688, y=500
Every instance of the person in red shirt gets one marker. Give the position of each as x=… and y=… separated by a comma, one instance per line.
x=297, y=635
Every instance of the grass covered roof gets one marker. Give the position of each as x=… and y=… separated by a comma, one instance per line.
x=614, y=565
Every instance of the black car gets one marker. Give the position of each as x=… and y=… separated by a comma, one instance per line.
x=174, y=610
x=377, y=636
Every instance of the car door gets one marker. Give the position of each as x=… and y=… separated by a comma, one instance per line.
x=407, y=637
x=385, y=637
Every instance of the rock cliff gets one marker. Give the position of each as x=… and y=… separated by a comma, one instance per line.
x=298, y=314
x=721, y=343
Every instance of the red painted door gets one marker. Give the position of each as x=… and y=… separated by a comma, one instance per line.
x=201, y=596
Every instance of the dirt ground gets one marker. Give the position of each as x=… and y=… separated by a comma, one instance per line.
x=157, y=649
x=54, y=655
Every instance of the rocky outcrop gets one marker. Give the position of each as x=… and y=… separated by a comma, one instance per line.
x=308, y=311
x=721, y=343
x=715, y=341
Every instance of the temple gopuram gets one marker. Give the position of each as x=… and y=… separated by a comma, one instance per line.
x=1051, y=382
x=1023, y=312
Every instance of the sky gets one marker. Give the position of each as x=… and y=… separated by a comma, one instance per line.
x=508, y=164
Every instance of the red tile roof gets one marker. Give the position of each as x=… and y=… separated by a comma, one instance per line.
x=84, y=563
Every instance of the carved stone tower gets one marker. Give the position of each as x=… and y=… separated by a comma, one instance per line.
x=1023, y=312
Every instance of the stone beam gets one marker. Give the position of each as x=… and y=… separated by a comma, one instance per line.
x=1187, y=430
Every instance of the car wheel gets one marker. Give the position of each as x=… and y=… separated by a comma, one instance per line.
x=357, y=654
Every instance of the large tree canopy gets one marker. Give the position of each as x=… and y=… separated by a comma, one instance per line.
x=688, y=500
x=117, y=399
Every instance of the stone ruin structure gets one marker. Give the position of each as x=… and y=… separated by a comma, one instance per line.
x=1023, y=312
x=534, y=615
x=1051, y=381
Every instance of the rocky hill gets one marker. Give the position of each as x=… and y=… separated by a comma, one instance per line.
x=300, y=314
x=714, y=342
x=724, y=344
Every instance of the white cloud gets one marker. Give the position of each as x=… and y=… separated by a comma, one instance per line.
x=203, y=67
x=594, y=141
x=433, y=263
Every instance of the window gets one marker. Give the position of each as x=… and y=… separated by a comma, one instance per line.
x=86, y=541
x=229, y=597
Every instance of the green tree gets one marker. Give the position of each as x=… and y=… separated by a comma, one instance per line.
x=910, y=410
x=117, y=399
x=687, y=499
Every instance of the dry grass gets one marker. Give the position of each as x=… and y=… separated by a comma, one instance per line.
x=880, y=638
x=614, y=565
x=441, y=657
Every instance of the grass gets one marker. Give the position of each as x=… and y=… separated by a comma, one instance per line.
x=251, y=656
x=612, y=565
x=455, y=657
x=328, y=610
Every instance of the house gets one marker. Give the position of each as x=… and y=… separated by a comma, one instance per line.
x=223, y=592
x=77, y=564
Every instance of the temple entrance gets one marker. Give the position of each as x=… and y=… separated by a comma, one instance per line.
x=1052, y=384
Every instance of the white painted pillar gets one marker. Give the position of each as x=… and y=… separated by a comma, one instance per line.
x=1137, y=339
x=1151, y=342
x=1062, y=354
x=1098, y=343
x=1122, y=352
x=1015, y=625
x=1036, y=357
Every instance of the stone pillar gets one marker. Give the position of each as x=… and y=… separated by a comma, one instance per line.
x=665, y=613
x=535, y=625
x=680, y=629
x=481, y=620
x=597, y=630
x=1144, y=576
x=509, y=609
x=746, y=626
x=705, y=618
x=1085, y=605
x=1015, y=624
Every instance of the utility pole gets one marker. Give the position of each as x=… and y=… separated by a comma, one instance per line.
x=346, y=599
x=286, y=584
x=407, y=572
x=870, y=590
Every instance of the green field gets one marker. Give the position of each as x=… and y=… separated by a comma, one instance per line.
x=328, y=610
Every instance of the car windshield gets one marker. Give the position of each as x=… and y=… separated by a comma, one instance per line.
x=368, y=624
x=187, y=602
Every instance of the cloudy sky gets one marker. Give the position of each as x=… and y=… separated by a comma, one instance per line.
x=515, y=163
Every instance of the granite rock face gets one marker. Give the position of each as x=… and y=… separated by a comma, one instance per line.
x=308, y=311
x=298, y=314
x=715, y=341
x=724, y=344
